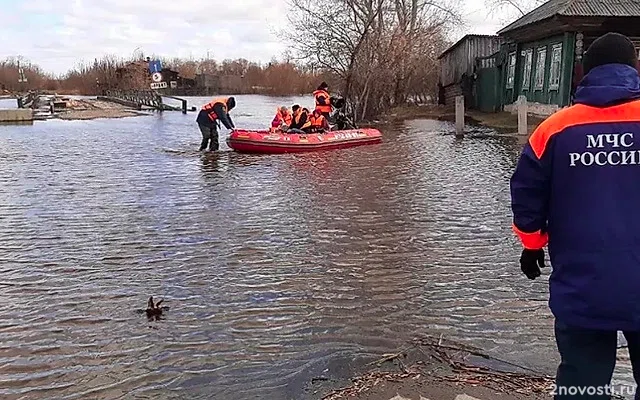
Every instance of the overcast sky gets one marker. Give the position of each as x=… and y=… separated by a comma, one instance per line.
x=58, y=35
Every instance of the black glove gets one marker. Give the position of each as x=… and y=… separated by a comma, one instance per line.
x=531, y=261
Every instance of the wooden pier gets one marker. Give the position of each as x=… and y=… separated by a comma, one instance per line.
x=112, y=103
x=42, y=105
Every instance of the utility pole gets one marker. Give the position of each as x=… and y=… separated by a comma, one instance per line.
x=22, y=79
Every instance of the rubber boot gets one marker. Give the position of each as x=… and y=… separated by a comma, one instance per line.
x=204, y=143
x=214, y=145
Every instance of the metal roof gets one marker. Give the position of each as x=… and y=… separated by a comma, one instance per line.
x=465, y=37
x=577, y=8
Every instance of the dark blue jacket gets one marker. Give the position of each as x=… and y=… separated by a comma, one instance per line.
x=577, y=185
x=223, y=116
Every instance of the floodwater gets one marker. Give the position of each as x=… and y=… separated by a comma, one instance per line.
x=276, y=268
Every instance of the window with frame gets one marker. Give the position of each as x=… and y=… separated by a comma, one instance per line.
x=541, y=61
x=511, y=72
x=556, y=65
x=526, y=75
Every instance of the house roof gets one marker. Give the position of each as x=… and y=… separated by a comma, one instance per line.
x=466, y=37
x=576, y=8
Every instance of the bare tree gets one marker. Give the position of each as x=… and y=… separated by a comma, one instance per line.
x=510, y=9
x=377, y=50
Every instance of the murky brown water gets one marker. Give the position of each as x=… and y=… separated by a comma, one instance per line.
x=276, y=268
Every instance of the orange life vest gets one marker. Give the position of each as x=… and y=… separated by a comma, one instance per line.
x=314, y=122
x=279, y=119
x=317, y=122
x=307, y=122
x=286, y=118
x=327, y=100
x=209, y=107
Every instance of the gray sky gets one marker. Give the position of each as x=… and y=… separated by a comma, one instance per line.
x=58, y=35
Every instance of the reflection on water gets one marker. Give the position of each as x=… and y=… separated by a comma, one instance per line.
x=275, y=268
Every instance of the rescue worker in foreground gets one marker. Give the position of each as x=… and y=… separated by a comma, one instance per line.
x=209, y=117
x=576, y=188
x=282, y=120
x=323, y=100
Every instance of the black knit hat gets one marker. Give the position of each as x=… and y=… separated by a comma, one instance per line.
x=323, y=86
x=231, y=102
x=610, y=48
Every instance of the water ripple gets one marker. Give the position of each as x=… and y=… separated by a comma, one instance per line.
x=275, y=267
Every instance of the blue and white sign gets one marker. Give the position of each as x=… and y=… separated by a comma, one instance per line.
x=155, y=66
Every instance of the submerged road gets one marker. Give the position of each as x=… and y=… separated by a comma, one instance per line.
x=276, y=268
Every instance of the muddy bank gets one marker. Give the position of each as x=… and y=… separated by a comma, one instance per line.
x=86, y=109
x=503, y=122
x=434, y=368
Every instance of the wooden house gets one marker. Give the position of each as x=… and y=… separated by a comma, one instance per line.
x=542, y=54
x=457, y=66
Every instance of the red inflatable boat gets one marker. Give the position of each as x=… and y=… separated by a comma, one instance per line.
x=267, y=142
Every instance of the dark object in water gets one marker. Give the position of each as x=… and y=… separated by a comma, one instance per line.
x=154, y=310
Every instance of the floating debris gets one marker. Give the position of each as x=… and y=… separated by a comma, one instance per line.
x=448, y=364
x=154, y=311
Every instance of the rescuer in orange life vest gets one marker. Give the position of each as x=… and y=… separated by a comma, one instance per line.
x=209, y=118
x=323, y=100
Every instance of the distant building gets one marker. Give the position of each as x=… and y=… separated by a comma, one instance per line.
x=457, y=65
x=207, y=84
x=210, y=84
x=542, y=54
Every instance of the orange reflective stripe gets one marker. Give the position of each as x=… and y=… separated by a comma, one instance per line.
x=581, y=114
x=533, y=241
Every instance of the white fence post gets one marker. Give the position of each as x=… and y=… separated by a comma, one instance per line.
x=523, y=128
x=459, y=116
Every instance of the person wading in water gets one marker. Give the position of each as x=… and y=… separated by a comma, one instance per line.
x=209, y=117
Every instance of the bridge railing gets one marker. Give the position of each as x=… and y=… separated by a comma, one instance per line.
x=147, y=98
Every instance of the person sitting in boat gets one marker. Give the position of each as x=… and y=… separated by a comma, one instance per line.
x=323, y=100
x=317, y=123
x=282, y=120
x=209, y=118
x=300, y=116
